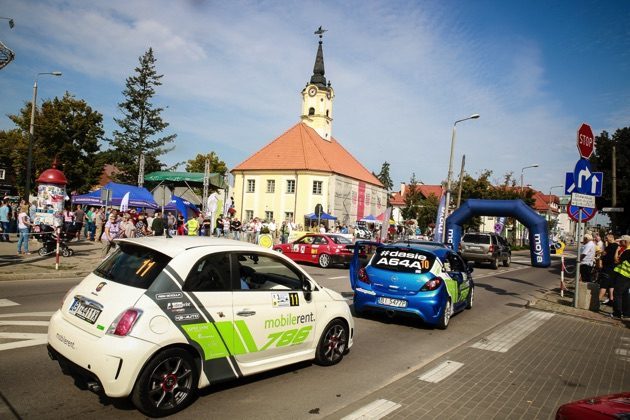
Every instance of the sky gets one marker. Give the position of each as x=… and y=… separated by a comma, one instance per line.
x=403, y=73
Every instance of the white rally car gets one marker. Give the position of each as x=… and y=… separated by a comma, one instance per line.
x=162, y=317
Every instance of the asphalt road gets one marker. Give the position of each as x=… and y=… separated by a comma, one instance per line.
x=384, y=350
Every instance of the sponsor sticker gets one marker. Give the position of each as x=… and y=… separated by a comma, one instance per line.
x=100, y=286
x=169, y=295
x=279, y=300
x=187, y=317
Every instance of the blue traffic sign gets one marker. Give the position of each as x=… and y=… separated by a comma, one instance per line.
x=583, y=180
x=574, y=213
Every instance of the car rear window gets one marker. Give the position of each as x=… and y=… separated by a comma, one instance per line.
x=476, y=238
x=133, y=265
x=404, y=260
x=342, y=240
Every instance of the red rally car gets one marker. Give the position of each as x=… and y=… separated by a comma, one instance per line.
x=321, y=248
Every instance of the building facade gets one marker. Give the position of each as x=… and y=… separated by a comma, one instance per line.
x=306, y=167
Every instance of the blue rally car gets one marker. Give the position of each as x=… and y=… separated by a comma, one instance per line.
x=430, y=281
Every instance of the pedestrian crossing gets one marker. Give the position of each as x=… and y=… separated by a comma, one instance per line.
x=23, y=329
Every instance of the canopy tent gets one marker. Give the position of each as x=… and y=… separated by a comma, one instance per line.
x=323, y=216
x=381, y=217
x=188, y=180
x=138, y=196
x=370, y=219
x=181, y=206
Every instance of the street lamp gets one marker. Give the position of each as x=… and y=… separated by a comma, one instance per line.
x=29, y=161
x=11, y=23
x=450, y=171
x=535, y=165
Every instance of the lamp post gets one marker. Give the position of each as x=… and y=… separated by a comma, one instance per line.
x=450, y=171
x=29, y=161
x=535, y=165
x=550, y=198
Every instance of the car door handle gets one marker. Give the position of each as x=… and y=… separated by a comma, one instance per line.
x=246, y=313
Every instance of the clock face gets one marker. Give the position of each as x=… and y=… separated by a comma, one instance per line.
x=312, y=91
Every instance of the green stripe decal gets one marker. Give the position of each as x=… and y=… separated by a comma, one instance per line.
x=206, y=335
x=247, y=336
x=226, y=329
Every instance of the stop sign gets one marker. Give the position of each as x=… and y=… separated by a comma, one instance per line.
x=585, y=141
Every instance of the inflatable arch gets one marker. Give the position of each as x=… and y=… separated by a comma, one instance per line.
x=537, y=225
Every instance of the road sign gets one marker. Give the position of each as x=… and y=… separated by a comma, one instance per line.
x=584, y=180
x=583, y=200
x=587, y=214
x=612, y=209
x=585, y=141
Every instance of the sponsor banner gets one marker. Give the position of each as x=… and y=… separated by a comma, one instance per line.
x=440, y=220
x=498, y=227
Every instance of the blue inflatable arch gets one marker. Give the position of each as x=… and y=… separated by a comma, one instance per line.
x=537, y=225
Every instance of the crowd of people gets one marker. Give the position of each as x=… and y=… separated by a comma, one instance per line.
x=607, y=261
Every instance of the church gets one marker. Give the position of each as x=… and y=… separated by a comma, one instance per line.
x=306, y=167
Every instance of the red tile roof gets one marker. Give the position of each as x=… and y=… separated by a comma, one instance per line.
x=398, y=199
x=301, y=148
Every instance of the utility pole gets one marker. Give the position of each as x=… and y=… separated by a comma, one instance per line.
x=141, y=170
x=461, y=179
x=614, y=176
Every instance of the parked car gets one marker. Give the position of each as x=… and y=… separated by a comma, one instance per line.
x=162, y=317
x=486, y=248
x=614, y=406
x=319, y=248
x=431, y=283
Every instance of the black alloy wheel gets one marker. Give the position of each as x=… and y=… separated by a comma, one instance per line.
x=332, y=344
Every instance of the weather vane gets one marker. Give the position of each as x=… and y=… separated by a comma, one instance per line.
x=320, y=31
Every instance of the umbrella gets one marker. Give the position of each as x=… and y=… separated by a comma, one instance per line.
x=322, y=216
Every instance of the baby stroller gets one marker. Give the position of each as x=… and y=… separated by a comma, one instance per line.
x=47, y=236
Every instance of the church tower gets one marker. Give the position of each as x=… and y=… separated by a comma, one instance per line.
x=317, y=97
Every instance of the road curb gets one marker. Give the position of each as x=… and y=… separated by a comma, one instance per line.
x=43, y=275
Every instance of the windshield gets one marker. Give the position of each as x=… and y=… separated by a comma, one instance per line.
x=133, y=265
x=476, y=238
x=405, y=260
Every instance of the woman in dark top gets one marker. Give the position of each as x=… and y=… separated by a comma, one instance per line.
x=606, y=273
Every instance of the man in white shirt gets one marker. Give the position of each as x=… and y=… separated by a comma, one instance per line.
x=587, y=257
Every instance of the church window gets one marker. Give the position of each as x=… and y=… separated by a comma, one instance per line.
x=311, y=111
x=288, y=215
x=269, y=216
x=317, y=187
x=271, y=185
x=251, y=185
x=291, y=186
x=249, y=215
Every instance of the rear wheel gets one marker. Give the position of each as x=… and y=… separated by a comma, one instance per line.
x=446, y=315
x=324, y=260
x=167, y=384
x=42, y=251
x=66, y=252
x=495, y=263
x=507, y=261
x=279, y=250
x=332, y=344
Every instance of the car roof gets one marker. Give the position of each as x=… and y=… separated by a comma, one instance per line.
x=438, y=251
x=178, y=244
x=429, y=244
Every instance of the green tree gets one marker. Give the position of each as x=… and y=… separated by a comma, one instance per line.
x=413, y=200
x=428, y=211
x=141, y=124
x=67, y=129
x=602, y=160
x=384, y=177
x=198, y=164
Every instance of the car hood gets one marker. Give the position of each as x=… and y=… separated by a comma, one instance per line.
x=334, y=295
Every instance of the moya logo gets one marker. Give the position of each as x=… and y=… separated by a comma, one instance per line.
x=538, y=249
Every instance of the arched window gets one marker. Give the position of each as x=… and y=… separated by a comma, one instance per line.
x=327, y=113
x=311, y=111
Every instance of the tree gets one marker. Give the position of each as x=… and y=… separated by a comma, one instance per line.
x=141, y=124
x=602, y=160
x=67, y=129
x=384, y=177
x=413, y=199
x=428, y=211
x=198, y=164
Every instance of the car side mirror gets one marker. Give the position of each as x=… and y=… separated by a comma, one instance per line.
x=306, y=288
x=471, y=266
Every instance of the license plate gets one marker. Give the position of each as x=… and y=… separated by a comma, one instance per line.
x=398, y=303
x=84, y=312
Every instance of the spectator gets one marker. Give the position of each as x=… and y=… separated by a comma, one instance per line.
x=284, y=232
x=218, y=227
x=157, y=226
x=24, y=225
x=141, y=226
x=272, y=230
x=5, y=212
x=170, y=221
x=68, y=219
x=226, y=226
x=192, y=225
x=621, y=306
x=112, y=232
x=127, y=227
x=99, y=223
x=606, y=273
x=236, y=226
x=587, y=258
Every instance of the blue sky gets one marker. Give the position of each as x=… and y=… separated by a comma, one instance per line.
x=403, y=72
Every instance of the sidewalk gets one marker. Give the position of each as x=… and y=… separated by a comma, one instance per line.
x=525, y=368
x=86, y=256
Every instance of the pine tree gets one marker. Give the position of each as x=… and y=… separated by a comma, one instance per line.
x=140, y=125
x=413, y=199
x=384, y=177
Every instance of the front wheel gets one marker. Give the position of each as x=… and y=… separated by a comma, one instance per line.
x=324, y=260
x=507, y=261
x=495, y=263
x=42, y=251
x=66, y=252
x=446, y=315
x=332, y=344
x=167, y=384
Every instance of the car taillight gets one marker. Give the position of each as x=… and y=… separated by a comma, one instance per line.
x=491, y=249
x=432, y=284
x=363, y=275
x=124, y=322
